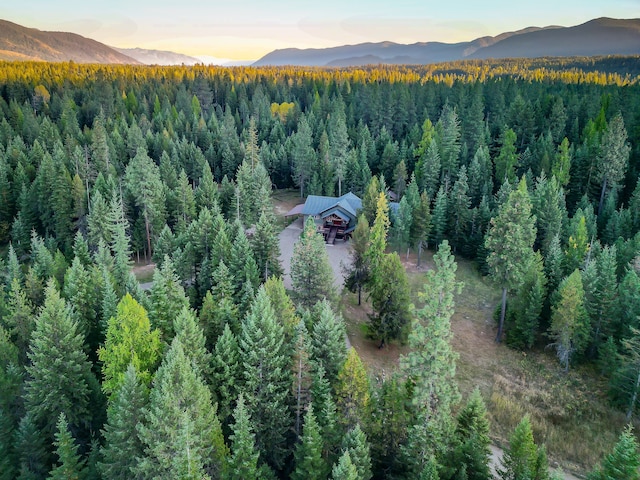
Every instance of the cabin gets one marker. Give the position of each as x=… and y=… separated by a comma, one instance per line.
x=335, y=217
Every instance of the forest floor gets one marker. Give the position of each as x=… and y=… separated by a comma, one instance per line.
x=569, y=412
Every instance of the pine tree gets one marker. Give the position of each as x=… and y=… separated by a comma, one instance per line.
x=7, y=445
x=119, y=244
x=308, y=454
x=302, y=154
x=267, y=380
x=448, y=141
x=562, y=163
x=129, y=340
x=123, y=447
x=459, y=214
x=421, y=225
x=181, y=434
x=241, y=264
x=60, y=373
x=218, y=307
x=206, y=195
x=509, y=241
x=402, y=225
x=622, y=462
x=311, y=275
x=243, y=461
x=577, y=244
x=71, y=466
x=79, y=292
x=569, y=321
x=253, y=184
x=600, y=302
x=431, y=365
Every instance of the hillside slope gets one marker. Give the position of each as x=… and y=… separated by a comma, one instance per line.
x=22, y=43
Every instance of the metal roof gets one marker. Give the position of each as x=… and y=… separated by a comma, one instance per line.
x=297, y=210
x=316, y=204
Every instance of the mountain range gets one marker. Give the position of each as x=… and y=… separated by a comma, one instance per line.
x=602, y=36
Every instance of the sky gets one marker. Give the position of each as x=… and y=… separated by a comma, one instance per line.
x=249, y=29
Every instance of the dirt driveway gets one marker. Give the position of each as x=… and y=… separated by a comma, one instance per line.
x=338, y=253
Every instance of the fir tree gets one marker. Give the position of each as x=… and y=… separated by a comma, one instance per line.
x=168, y=299
x=243, y=461
x=472, y=432
x=389, y=292
x=181, y=434
x=267, y=381
x=328, y=347
x=225, y=373
x=355, y=441
x=509, y=242
x=31, y=449
x=60, y=373
x=123, y=447
x=344, y=469
x=357, y=274
x=70, y=465
x=308, y=454
x=521, y=459
x=622, y=462
x=192, y=340
x=266, y=247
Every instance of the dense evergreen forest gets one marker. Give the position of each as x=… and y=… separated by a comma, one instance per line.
x=528, y=167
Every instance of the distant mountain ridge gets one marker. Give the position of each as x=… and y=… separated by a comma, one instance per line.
x=158, y=57
x=22, y=43
x=602, y=36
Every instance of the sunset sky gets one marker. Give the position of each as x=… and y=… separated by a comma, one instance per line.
x=248, y=29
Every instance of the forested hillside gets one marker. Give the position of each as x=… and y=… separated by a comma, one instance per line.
x=528, y=168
